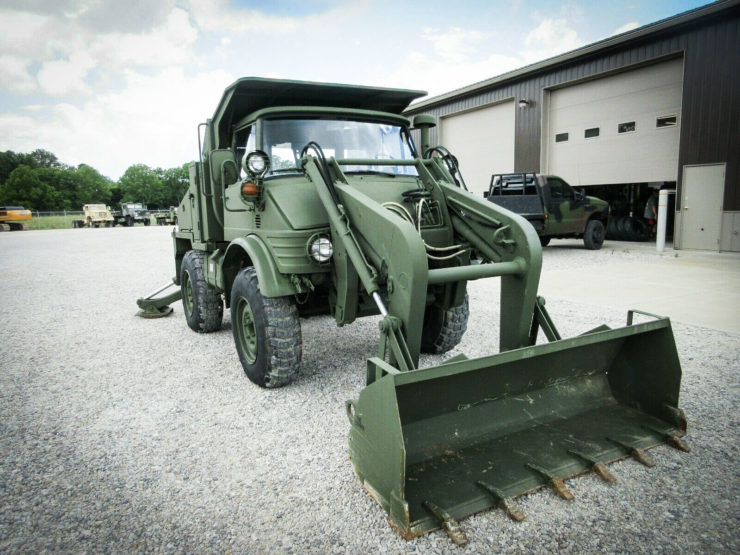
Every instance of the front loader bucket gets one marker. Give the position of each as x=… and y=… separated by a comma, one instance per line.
x=437, y=444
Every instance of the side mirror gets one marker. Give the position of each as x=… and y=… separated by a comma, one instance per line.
x=424, y=122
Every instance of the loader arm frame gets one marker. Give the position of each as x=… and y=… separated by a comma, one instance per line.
x=389, y=257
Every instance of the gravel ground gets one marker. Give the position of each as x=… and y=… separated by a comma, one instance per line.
x=126, y=434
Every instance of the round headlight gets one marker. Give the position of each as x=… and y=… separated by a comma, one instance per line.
x=321, y=250
x=257, y=163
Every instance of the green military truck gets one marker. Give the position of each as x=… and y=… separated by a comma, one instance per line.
x=131, y=213
x=553, y=207
x=312, y=199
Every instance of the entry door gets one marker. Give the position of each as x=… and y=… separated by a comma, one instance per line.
x=701, y=207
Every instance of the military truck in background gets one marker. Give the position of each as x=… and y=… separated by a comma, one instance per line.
x=132, y=213
x=554, y=208
x=167, y=218
x=95, y=215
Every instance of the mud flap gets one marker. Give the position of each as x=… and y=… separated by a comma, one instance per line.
x=473, y=434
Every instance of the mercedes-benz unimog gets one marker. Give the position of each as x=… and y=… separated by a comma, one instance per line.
x=313, y=199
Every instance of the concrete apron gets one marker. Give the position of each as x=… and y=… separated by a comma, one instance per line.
x=692, y=287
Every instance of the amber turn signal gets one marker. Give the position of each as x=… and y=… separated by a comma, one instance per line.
x=249, y=189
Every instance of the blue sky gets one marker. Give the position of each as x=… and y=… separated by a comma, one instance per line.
x=112, y=83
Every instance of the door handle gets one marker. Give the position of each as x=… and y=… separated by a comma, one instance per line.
x=685, y=207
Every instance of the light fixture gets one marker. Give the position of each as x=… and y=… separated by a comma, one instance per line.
x=523, y=103
x=320, y=248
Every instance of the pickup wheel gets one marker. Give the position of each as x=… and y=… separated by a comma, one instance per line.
x=443, y=329
x=202, y=304
x=267, y=332
x=593, y=237
x=544, y=241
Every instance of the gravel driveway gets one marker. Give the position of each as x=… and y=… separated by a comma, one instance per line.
x=125, y=434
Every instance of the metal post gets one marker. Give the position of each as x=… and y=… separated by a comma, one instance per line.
x=662, y=218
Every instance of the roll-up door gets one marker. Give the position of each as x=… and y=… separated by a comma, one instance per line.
x=483, y=142
x=623, y=128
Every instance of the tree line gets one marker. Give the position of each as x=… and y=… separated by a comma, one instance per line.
x=40, y=181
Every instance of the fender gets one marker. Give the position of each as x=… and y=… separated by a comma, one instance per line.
x=272, y=282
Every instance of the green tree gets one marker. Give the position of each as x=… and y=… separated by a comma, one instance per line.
x=23, y=187
x=140, y=183
x=92, y=187
x=175, y=182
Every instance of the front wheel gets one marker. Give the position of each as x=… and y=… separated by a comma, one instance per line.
x=443, y=329
x=267, y=332
x=544, y=241
x=202, y=304
x=593, y=237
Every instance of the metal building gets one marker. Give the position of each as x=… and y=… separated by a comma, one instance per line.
x=658, y=106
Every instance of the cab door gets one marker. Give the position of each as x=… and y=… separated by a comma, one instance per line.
x=565, y=213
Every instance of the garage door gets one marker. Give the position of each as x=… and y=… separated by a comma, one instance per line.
x=618, y=129
x=483, y=142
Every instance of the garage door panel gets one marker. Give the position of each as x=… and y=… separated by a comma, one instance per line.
x=483, y=142
x=641, y=96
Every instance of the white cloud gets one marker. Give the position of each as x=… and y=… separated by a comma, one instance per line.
x=217, y=15
x=626, y=27
x=166, y=45
x=65, y=77
x=15, y=75
x=153, y=120
x=454, y=45
x=550, y=38
x=459, y=58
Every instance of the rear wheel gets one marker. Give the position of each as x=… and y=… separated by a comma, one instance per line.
x=593, y=237
x=203, y=306
x=147, y=221
x=443, y=329
x=267, y=332
x=129, y=221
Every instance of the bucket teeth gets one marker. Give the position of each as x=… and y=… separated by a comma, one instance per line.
x=598, y=467
x=677, y=443
x=636, y=453
x=671, y=439
x=449, y=524
x=505, y=503
x=554, y=482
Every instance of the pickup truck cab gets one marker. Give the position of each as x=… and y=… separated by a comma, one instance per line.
x=553, y=207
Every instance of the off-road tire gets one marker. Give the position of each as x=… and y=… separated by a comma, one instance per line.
x=202, y=304
x=544, y=241
x=443, y=329
x=267, y=332
x=129, y=221
x=593, y=237
x=147, y=221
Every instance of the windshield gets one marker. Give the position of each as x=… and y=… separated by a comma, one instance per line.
x=283, y=140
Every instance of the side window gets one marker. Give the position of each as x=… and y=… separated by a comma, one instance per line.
x=245, y=140
x=559, y=189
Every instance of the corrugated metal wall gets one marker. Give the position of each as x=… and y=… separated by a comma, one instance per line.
x=710, y=114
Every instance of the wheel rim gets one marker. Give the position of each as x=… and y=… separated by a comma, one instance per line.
x=247, y=331
x=187, y=294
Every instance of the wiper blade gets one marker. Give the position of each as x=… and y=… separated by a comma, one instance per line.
x=370, y=172
x=287, y=170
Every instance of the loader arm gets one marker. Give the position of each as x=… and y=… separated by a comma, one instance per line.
x=389, y=256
